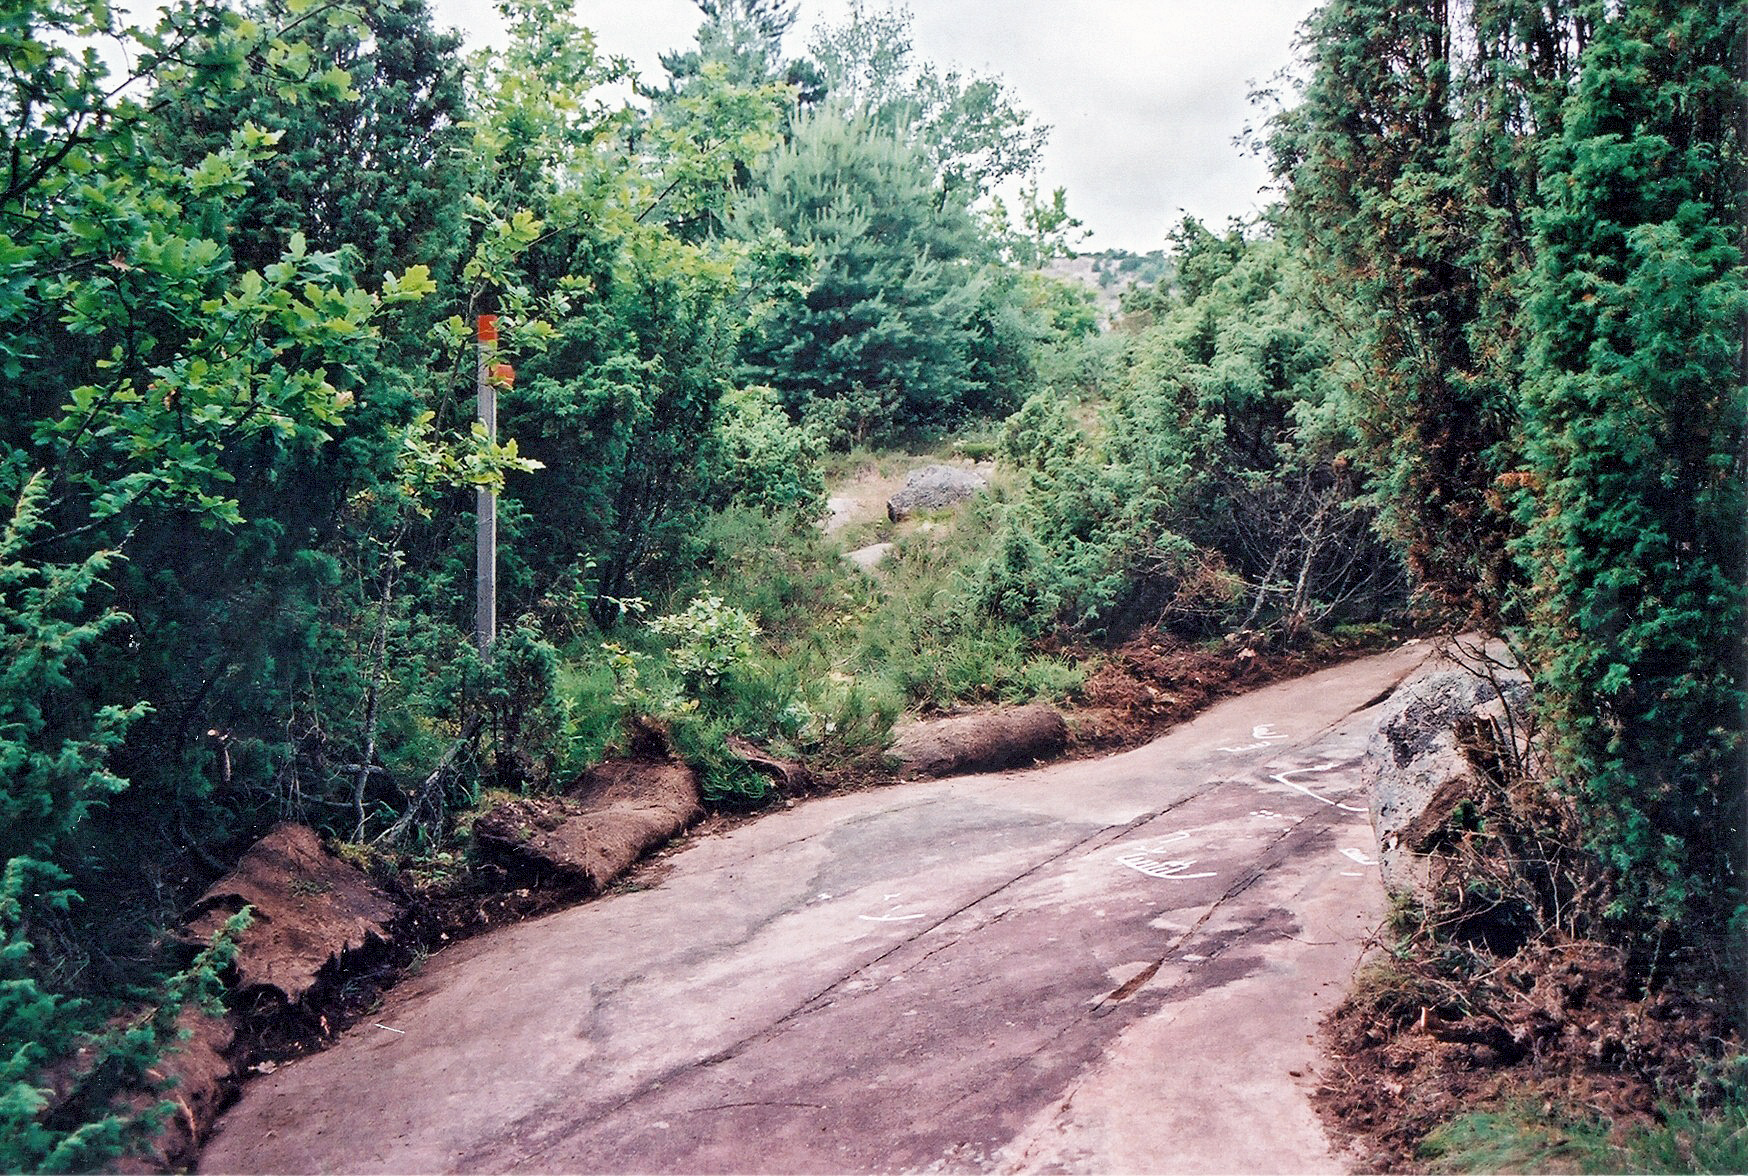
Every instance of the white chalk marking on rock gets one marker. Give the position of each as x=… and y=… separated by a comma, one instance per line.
x=1168, y=839
x=892, y=915
x=1265, y=736
x=1282, y=778
x=1150, y=859
x=1160, y=867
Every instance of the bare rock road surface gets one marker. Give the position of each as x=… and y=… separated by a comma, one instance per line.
x=1097, y=966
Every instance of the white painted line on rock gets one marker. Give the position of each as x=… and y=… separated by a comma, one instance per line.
x=1282, y=778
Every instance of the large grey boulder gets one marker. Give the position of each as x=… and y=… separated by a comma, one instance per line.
x=934, y=487
x=1417, y=769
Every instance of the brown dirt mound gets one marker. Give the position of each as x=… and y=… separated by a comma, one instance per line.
x=587, y=838
x=317, y=923
x=196, y=1077
x=310, y=909
x=1156, y=680
x=1557, y=1022
x=985, y=741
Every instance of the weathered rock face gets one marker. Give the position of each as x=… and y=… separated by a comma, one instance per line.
x=933, y=487
x=310, y=909
x=868, y=558
x=1418, y=772
x=588, y=837
x=985, y=741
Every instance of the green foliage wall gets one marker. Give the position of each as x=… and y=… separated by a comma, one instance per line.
x=1393, y=205
x=1635, y=416
x=1531, y=218
x=1212, y=493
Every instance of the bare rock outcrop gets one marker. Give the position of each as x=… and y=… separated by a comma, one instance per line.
x=984, y=741
x=870, y=557
x=934, y=487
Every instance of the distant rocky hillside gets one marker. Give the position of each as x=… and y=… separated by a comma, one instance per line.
x=1109, y=272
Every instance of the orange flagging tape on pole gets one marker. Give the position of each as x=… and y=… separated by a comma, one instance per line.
x=488, y=328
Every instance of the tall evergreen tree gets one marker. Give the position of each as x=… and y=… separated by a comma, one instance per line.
x=377, y=167
x=1380, y=201
x=973, y=132
x=886, y=327
x=743, y=36
x=1635, y=420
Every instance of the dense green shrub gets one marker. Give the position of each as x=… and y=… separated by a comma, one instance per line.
x=1635, y=412
x=1526, y=220
x=760, y=459
x=889, y=311
x=1212, y=490
x=56, y=738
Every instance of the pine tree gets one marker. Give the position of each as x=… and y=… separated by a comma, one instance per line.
x=887, y=324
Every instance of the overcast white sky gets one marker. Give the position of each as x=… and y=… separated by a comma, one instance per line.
x=1144, y=97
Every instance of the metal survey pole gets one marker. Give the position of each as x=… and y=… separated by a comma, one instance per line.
x=485, y=623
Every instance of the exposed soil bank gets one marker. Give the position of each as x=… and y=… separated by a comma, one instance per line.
x=1557, y=1026
x=1490, y=999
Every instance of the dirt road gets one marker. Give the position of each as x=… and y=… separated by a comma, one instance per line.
x=1112, y=965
